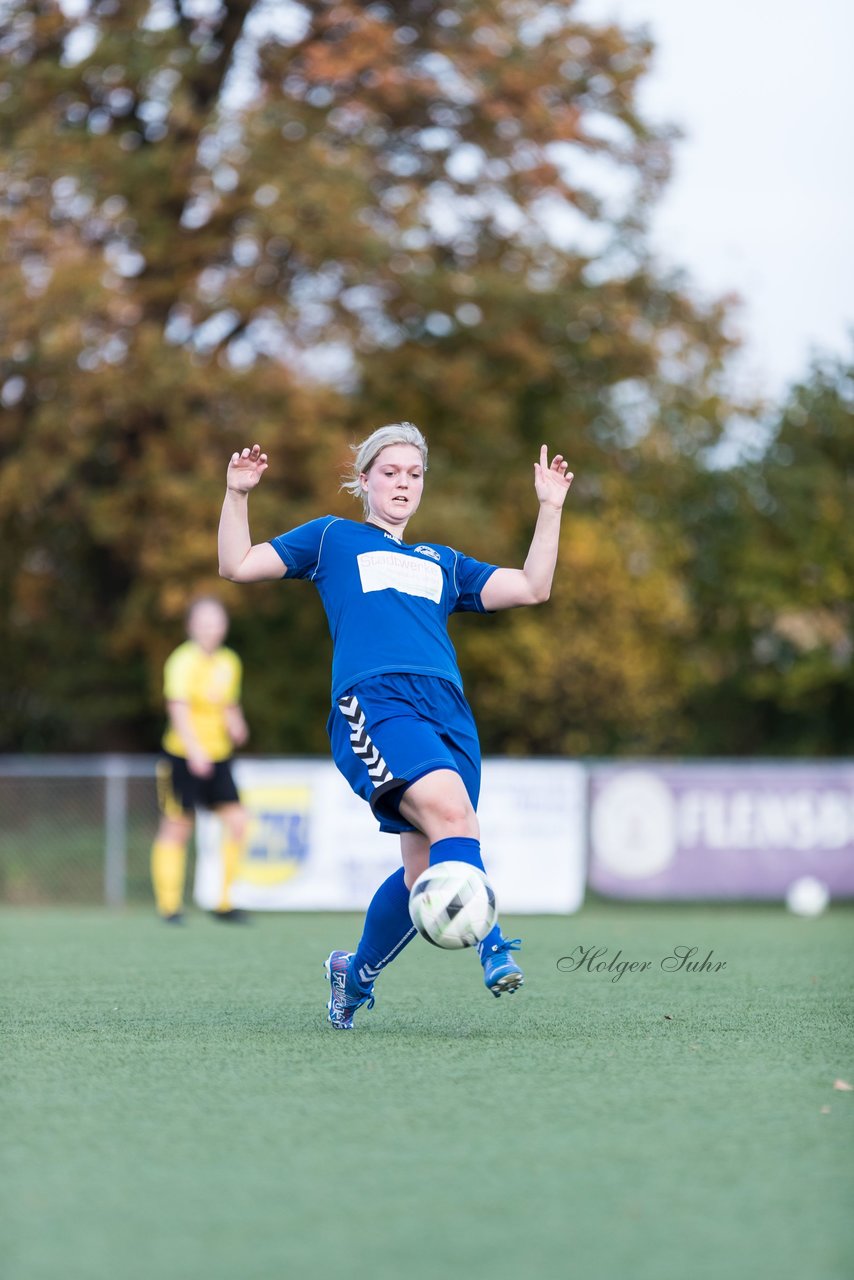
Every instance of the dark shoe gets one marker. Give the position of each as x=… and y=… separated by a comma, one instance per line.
x=234, y=915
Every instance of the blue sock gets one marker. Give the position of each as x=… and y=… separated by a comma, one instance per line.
x=466, y=849
x=457, y=849
x=388, y=928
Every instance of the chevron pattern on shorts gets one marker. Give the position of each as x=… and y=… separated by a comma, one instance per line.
x=360, y=741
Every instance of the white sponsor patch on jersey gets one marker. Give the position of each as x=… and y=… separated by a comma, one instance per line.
x=380, y=570
x=428, y=551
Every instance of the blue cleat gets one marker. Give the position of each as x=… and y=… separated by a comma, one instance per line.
x=342, y=1006
x=500, y=971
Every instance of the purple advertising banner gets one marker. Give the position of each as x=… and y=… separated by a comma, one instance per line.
x=728, y=830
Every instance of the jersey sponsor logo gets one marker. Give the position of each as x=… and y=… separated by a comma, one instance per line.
x=427, y=551
x=384, y=570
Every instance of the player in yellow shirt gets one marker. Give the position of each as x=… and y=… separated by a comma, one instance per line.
x=201, y=684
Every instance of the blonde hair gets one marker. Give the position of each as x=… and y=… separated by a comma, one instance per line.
x=366, y=453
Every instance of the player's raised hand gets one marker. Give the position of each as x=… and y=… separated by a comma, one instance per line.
x=246, y=469
x=552, y=482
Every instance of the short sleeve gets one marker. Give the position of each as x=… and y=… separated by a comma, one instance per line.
x=470, y=576
x=178, y=675
x=299, y=549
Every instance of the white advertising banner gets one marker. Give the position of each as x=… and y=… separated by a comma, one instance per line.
x=315, y=846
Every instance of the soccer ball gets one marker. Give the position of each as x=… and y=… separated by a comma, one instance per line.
x=452, y=905
x=807, y=897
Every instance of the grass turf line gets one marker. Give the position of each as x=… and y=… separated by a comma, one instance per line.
x=174, y=1104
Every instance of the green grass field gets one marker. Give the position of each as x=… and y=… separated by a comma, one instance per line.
x=173, y=1104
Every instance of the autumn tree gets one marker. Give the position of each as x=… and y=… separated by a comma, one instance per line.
x=292, y=222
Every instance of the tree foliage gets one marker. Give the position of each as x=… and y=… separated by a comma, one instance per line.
x=229, y=221
x=772, y=581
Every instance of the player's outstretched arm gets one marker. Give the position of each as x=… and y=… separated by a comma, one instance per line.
x=239, y=560
x=509, y=588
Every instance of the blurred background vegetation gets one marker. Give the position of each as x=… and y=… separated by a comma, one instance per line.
x=291, y=223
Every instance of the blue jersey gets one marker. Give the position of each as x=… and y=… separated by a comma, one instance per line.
x=387, y=602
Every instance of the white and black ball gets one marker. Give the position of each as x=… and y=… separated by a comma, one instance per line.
x=452, y=905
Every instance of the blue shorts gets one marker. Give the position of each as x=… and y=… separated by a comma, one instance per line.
x=389, y=731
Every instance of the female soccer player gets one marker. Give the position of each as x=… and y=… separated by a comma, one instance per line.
x=401, y=730
x=201, y=684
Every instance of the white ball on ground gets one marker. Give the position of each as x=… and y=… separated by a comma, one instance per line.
x=452, y=905
x=807, y=896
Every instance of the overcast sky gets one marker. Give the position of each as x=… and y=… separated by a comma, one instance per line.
x=762, y=198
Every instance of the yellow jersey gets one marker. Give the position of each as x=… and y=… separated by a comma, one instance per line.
x=208, y=683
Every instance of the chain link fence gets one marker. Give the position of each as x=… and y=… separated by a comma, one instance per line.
x=76, y=829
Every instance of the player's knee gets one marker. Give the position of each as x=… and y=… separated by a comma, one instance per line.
x=439, y=806
x=175, y=830
x=458, y=818
x=446, y=816
x=237, y=823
